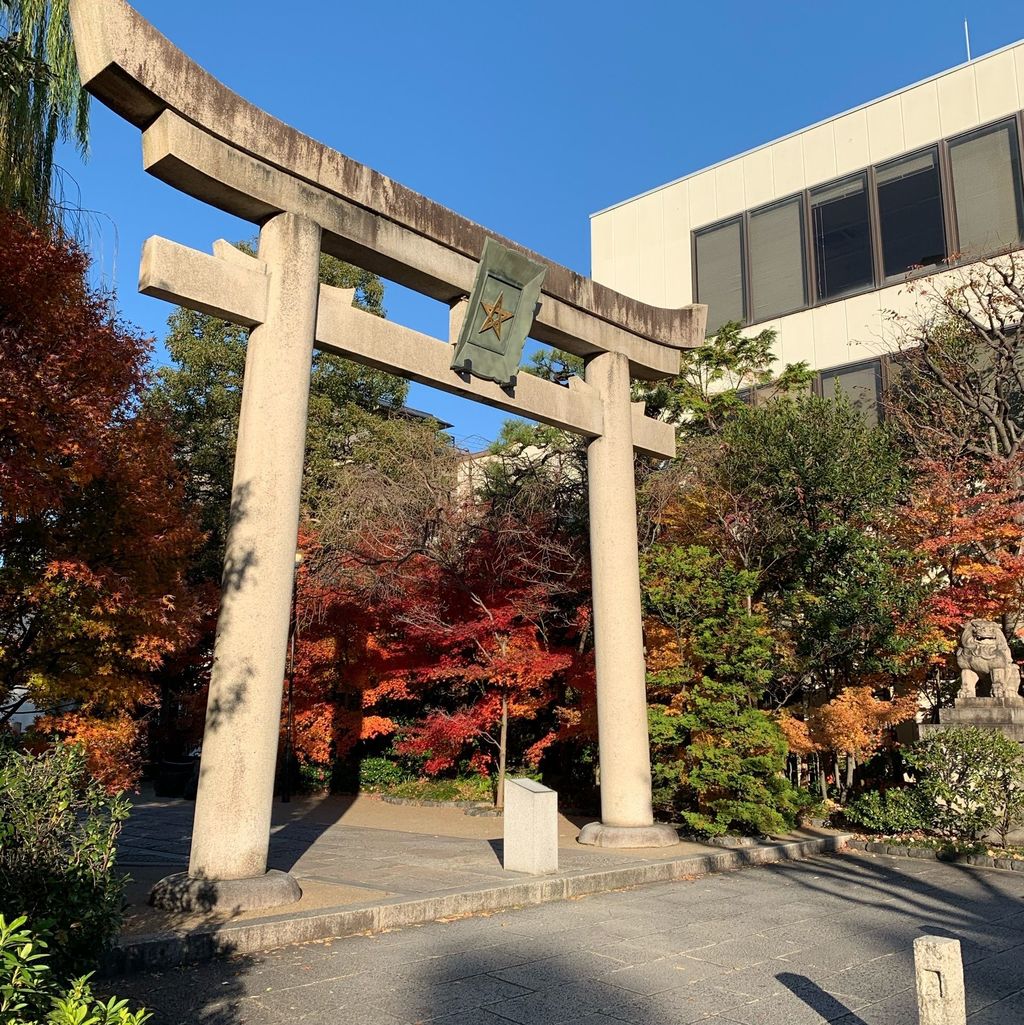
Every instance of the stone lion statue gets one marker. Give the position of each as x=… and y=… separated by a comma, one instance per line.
x=983, y=652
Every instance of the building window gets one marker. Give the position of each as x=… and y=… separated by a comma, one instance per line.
x=775, y=236
x=860, y=384
x=986, y=187
x=842, y=237
x=719, y=262
x=910, y=213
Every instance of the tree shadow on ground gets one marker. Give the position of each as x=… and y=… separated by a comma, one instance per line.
x=705, y=950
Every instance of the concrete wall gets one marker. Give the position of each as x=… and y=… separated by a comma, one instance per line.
x=642, y=247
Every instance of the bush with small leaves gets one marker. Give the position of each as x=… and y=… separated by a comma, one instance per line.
x=966, y=776
x=902, y=810
x=380, y=774
x=30, y=994
x=58, y=831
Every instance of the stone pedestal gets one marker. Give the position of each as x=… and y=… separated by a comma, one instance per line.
x=939, y=974
x=531, y=827
x=1003, y=714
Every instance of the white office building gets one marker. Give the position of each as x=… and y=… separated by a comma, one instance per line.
x=816, y=234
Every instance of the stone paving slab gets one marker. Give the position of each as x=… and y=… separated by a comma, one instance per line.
x=368, y=866
x=564, y=963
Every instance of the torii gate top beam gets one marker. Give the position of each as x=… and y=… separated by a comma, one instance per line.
x=126, y=63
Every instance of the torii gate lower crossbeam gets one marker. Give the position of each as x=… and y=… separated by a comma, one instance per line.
x=303, y=206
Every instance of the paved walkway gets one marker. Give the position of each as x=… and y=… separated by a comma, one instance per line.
x=363, y=843
x=805, y=942
x=364, y=864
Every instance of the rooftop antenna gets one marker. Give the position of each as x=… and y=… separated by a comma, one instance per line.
x=967, y=39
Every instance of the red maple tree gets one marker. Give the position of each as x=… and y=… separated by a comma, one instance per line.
x=95, y=536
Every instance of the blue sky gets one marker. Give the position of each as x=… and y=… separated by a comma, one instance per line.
x=526, y=116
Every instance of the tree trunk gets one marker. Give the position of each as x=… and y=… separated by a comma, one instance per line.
x=821, y=778
x=499, y=797
x=851, y=764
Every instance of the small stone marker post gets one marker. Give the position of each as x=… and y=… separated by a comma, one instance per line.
x=531, y=827
x=939, y=969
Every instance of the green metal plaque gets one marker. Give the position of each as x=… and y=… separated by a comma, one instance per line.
x=500, y=315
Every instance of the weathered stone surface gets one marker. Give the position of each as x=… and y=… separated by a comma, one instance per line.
x=127, y=64
x=1004, y=715
x=939, y=975
x=182, y=892
x=231, y=835
x=656, y=835
x=618, y=632
x=984, y=655
x=531, y=827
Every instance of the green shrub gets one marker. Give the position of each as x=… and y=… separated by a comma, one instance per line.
x=314, y=778
x=900, y=810
x=380, y=774
x=463, y=788
x=30, y=994
x=58, y=830
x=963, y=776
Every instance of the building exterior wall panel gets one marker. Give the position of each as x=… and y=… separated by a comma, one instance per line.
x=678, y=268
x=651, y=237
x=703, y=201
x=851, y=140
x=626, y=249
x=997, y=89
x=602, y=248
x=795, y=341
x=788, y=166
x=885, y=129
x=759, y=177
x=729, y=192
x=958, y=101
x=830, y=347
x=921, y=124
x=819, y=154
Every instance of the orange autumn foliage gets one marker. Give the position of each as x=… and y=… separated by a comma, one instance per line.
x=967, y=522
x=113, y=746
x=855, y=721
x=95, y=533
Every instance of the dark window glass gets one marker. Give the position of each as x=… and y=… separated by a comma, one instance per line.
x=986, y=185
x=910, y=213
x=842, y=237
x=860, y=385
x=719, y=254
x=777, y=261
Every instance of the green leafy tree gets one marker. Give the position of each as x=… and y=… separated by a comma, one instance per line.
x=718, y=379
x=41, y=102
x=719, y=759
x=802, y=493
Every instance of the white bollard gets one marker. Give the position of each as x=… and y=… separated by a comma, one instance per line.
x=531, y=827
x=939, y=971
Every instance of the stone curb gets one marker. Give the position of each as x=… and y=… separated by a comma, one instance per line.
x=929, y=854
x=166, y=949
x=424, y=802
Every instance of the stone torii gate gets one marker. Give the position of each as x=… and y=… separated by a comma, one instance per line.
x=306, y=198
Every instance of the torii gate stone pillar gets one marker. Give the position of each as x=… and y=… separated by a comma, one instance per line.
x=307, y=199
x=627, y=818
x=230, y=836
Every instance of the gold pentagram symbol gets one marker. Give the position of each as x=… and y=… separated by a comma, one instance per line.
x=496, y=315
